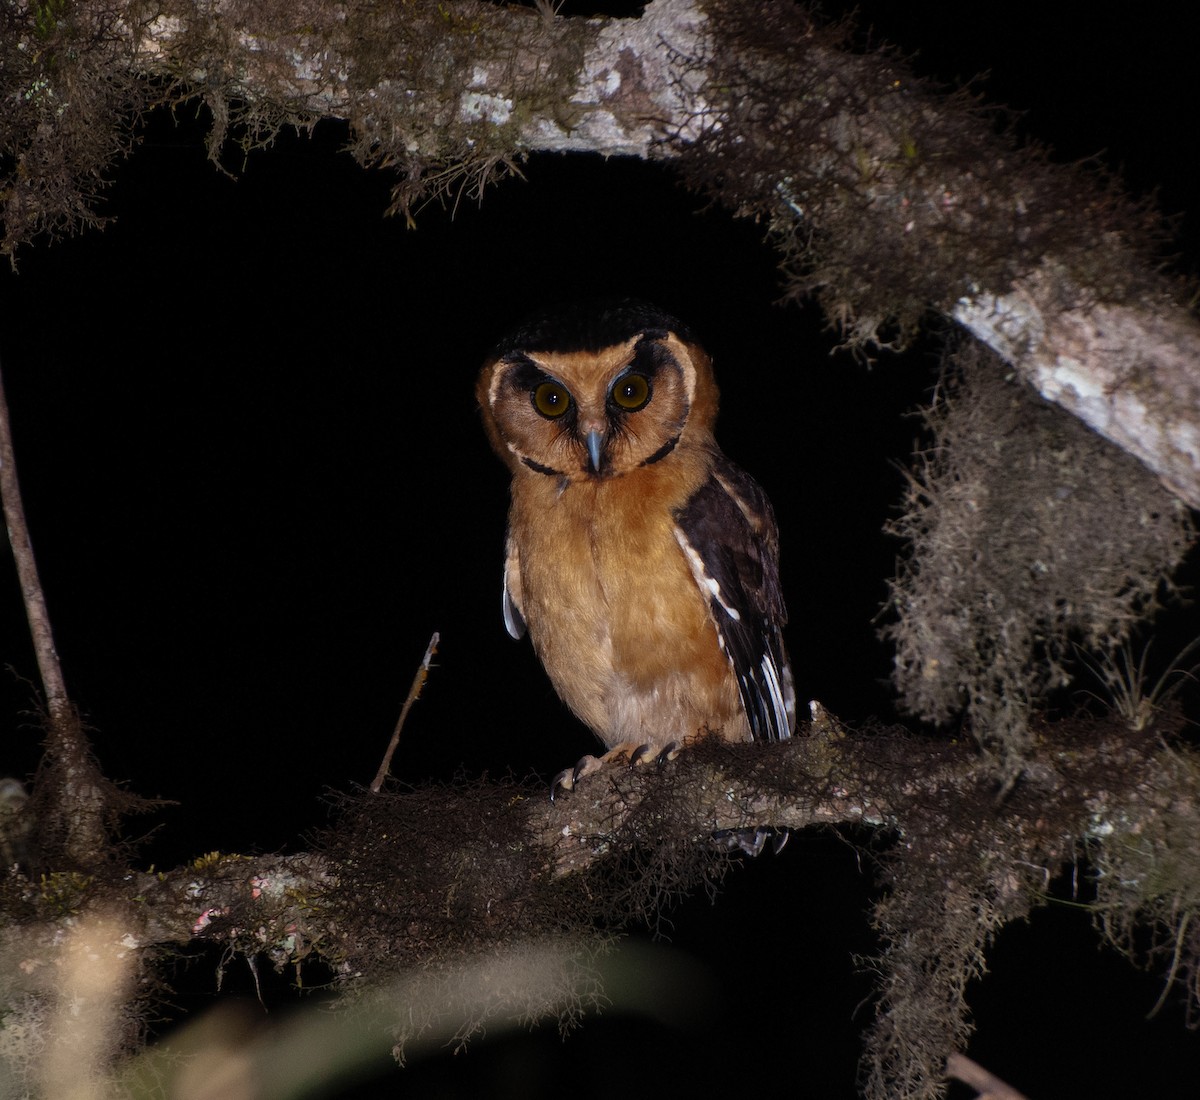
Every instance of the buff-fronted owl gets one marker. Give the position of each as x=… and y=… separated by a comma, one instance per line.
x=643, y=562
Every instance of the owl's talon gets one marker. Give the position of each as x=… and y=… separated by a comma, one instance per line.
x=640, y=755
x=565, y=779
x=585, y=767
x=632, y=756
x=752, y=841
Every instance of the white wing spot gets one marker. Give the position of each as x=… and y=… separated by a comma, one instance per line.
x=700, y=575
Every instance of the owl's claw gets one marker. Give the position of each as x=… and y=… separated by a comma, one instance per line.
x=568, y=777
x=752, y=841
x=652, y=754
x=587, y=765
x=640, y=755
x=633, y=755
x=564, y=779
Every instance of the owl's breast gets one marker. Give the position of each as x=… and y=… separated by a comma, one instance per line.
x=615, y=614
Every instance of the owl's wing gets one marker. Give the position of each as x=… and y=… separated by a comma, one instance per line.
x=514, y=620
x=727, y=531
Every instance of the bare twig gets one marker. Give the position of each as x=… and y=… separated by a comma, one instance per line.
x=414, y=693
x=961, y=1068
x=31, y=587
x=1175, y=959
x=83, y=801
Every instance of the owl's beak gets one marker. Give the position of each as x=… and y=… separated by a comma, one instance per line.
x=594, y=440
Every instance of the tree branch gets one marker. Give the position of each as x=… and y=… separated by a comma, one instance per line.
x=436, y=880
x=936, y=796
x=915, y=200
x=72, y=791
x=57, y=701
x=1128, y=371
x=414, y=693
x=988, y=1086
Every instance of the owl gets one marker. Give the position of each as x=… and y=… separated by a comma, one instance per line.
x=643, y=563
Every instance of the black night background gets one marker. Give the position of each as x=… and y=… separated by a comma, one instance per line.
x=256, y=483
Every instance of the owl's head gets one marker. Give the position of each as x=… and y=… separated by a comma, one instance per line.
x=596, y=391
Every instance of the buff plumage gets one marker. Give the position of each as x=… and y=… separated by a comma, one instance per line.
x=643, y=563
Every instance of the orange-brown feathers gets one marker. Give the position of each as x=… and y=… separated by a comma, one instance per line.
x=613, y=610
x=685, y=398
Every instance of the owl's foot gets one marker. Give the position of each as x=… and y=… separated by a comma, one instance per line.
x=568, y=777
x=629, y=753
x=752, y=841
x=654, y=754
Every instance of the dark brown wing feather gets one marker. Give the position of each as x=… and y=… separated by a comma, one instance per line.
x=727, y=529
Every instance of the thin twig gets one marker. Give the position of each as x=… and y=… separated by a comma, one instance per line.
x=57, y=702
x=961, y=1068
x=1170, y=981
x=83, y=799
x=414, y=693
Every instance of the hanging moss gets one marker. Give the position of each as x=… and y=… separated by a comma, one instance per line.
x=1025, y=532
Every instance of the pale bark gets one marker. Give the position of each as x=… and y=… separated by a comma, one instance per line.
x=57, y=700
x=1129, y=369
x=1131, y=373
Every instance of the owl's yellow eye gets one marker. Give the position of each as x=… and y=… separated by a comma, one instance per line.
x=551, y=399
x=631, y=392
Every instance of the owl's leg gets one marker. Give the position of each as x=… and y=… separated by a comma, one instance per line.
x=629, y=753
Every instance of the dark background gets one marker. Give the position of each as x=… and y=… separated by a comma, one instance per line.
x=256, y=483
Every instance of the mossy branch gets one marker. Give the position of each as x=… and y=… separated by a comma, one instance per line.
x=886, y=197
x=434, y=878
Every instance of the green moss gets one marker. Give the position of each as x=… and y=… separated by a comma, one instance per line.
x=63, y=893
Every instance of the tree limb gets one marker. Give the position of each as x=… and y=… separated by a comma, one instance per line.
x=1128, y=371
x=73, y=791
x=1039, y=263
x=32, y=593
x=936, y=795
x=435, y=880
x=915, y=201
x=987, y=1085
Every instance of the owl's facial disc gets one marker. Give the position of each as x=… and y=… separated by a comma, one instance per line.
x=586, y=422
x=593, y=415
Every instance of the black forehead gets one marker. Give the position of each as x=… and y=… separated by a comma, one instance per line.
x=590, y=326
